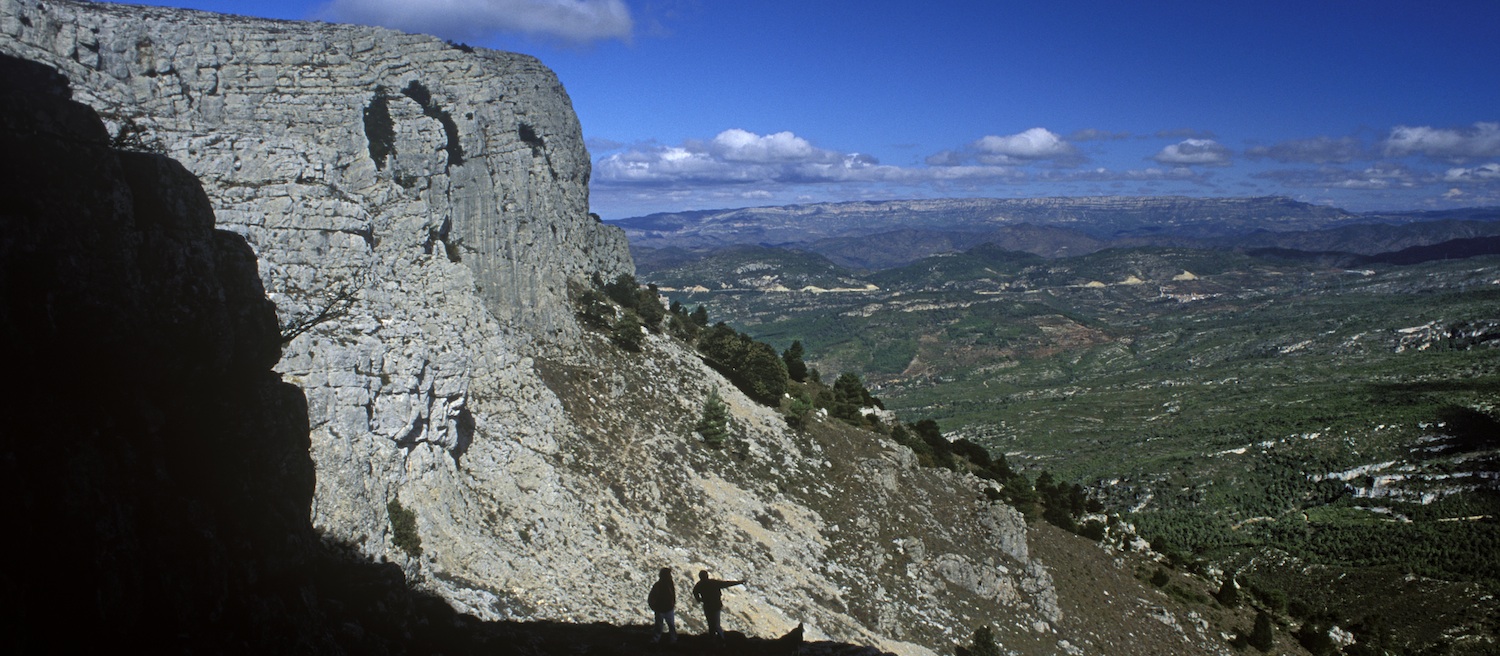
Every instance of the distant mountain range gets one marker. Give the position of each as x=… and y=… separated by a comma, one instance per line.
x=879, y=235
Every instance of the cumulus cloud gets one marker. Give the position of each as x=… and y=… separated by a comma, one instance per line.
x=736, y=145
x=1033, y=144
x=1483, y=140
x=737, y=156
x=569, y=20
x=1483, y=173
x=1194, y=152
x=1317, y=150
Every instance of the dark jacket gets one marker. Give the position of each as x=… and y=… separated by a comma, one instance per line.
x=710, y=592
x=663, y=596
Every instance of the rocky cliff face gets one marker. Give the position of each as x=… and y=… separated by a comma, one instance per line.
x=443, y=193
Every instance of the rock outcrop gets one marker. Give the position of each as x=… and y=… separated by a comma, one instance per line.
x=432, y=198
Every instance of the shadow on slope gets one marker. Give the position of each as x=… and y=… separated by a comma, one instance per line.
x=155, y=470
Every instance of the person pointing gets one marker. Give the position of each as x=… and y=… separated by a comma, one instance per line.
x=709, y=592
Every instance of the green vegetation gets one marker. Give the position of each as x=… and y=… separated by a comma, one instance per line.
x=752, y=366
x=1262, y=636
x=627, y=331
x=981, y=644
x=713, y=425
x=1229, y=407
x=404, y=528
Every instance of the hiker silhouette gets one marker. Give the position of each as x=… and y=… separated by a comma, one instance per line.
x=663, y=602
x=709, y=592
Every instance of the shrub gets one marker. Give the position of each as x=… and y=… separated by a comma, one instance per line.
x=981, y=644
x=1161, y=578
x=1229, y=592
x=404, y=528
x=624, y=291
x=648, y=306
x=1093, y=530
x=627, y=332
x=593, y=310
x=799, y=411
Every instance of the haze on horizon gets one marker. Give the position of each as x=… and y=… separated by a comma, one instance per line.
x=1377, y=105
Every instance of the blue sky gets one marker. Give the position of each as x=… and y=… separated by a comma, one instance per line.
x=1366, y=105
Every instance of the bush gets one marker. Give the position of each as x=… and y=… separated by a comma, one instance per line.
x=1229, y=593
x=799, y=411
x=1093, y=530
x=648, y=306
x=1161, y=578
x=627, y=332
x=404, y=528
x=1313, y=636
x=623, y=290
x=593, y=310
x=982, y=644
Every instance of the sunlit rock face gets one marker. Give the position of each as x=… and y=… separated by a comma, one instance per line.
x=434, y=197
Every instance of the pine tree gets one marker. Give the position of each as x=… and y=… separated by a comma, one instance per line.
x=796, y=369
x=1229, y=592
x=648, y=306
x=713, y=425
x=1262, y=636
x=623, y=290
x=982, y=644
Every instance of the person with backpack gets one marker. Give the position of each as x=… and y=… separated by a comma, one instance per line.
x=663, y=602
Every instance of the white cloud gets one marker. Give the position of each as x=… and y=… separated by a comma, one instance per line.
x=1194, y=152
x=1483, y=140
x=1033, y=144
x=1483, y=173
x=569, y=20
x=736, y=145
x=737, y=156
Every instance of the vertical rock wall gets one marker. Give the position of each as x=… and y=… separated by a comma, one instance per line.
x=441, y=190
x=333, y=148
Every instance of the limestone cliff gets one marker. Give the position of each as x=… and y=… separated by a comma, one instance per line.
x=155, y=470
x=442, y=190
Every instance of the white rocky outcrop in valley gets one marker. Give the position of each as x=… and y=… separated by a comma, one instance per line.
x=443, y=190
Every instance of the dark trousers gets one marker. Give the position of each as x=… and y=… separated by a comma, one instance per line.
x=712, y=615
